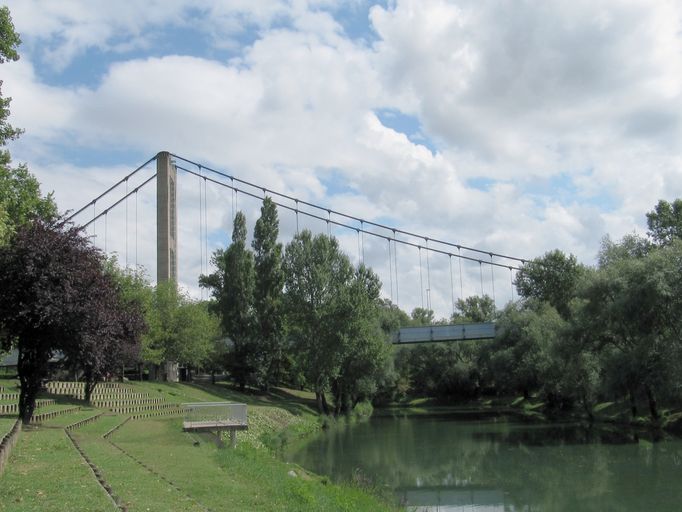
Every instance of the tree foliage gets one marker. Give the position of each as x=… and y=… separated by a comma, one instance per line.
x=333, y=313
x=9, y=43
x=665, y=222
x=580, y=334
x=232, y=286
x=180, y=329
x=58, y=298
x=553, y=278
x=20, y=197
x=475, y=309
x=268, y=298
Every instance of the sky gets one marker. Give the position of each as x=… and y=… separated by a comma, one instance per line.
x=513, y=127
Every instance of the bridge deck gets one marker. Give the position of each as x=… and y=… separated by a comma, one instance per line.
x=444, y=333
x=198, y=426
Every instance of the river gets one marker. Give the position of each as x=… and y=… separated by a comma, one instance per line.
x=465, y=462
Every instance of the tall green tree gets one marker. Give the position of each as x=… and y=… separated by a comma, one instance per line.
x=363, y=348
x=315, y=272
x=268, y=297
x=665, y=222
x=20, y=197
x=552, y=278
x=232, y=286
x=633, y=307
x=9, y=43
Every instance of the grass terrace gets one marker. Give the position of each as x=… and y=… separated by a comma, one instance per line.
x=108, y=461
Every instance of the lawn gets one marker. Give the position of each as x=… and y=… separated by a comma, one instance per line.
x=45, y=473
x=152, y=465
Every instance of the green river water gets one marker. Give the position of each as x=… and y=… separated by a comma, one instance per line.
x=467, y=463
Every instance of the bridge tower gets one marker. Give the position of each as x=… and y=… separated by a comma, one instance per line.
x=166, y=219
x=167, y=234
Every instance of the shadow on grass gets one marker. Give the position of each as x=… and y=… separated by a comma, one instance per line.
x=278, y=397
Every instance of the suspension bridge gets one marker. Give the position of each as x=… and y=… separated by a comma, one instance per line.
x=171, y=172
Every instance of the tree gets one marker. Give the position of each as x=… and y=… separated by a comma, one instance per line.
x=315, y=272
x=474, y=309
x=268, y=297
x=553, y=278
x=232, y=287
x=363, y=348
x=633, y=308
x=9, y=42
x=665, y=222
x=422, y=316
x=20, y=198
x=630, y=246
x=519, y=355
x=57, y=297
x=110, y=337
x=180, y=329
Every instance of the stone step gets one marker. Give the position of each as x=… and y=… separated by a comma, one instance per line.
x=146, y=408
x=67, y=386
x=153, y=414
x=14, y=408
x=85, y=421
x=37, y=418
x=123, y=402
x=9, y=396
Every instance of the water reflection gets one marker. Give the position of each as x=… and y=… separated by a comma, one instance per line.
x=436, y=463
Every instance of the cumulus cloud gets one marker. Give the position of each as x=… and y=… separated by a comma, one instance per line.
x=552, y=123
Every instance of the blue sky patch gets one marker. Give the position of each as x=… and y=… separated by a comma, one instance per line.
x=407, y=125
x=354, y=19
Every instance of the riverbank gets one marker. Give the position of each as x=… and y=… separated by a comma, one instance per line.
x=151, y=464
x=615, y=415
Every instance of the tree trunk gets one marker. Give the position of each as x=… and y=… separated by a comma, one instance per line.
x=318, y=401
x=89, y=387
x=633, y=404
x=32, y=368
x=212, y=376
x=653, y=404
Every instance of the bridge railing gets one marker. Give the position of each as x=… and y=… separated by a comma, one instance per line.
x=437, y=333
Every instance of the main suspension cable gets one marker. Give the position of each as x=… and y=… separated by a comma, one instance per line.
x=117, y=184
x=341, y=224
x=111, y=207
x=341, y=214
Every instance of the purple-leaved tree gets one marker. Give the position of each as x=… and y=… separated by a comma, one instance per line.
x=57, y=297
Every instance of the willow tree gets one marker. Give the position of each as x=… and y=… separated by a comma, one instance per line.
x=334, y=321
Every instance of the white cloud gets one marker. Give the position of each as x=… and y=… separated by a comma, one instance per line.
x=517, y=94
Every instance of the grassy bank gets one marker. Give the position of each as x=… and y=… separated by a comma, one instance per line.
x=153, y=465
